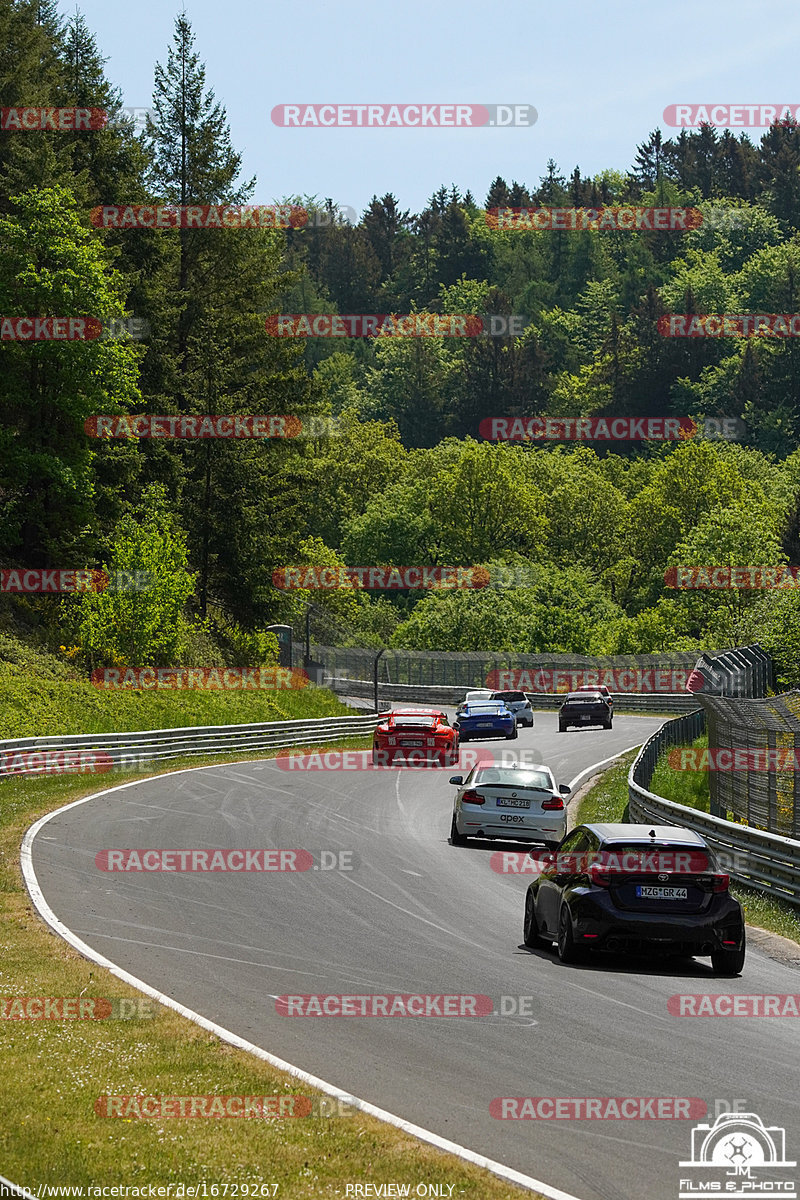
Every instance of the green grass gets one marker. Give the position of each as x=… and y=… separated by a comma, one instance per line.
x=607, y=800
x=53, y=1071
x=689, y=788
x=39, y=694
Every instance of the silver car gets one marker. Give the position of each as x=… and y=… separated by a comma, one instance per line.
x=519, y=704
x=520, y=802
x=474, y=698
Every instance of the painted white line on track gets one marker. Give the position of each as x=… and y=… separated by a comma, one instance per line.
x=226, y=1035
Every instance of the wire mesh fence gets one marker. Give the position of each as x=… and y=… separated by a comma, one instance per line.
x=546, y=673
x=753, y=758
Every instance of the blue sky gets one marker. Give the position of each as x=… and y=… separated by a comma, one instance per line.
x=599, y=75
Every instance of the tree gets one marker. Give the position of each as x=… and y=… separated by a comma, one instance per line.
x=131, y=626
x=50, y=264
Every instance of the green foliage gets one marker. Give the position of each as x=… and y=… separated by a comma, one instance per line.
x=402, y=475
x=132, y=627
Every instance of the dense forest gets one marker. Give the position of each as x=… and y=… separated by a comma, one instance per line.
x=394, y=469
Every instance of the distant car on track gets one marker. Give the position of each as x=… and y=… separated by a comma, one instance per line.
x=519, y=704
x=603, y=690
x=516, y=801
x=415, y=735
x=585, y=708
x=473, y=697
x=635, y=888
x=485, y=718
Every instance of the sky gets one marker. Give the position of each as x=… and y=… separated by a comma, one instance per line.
x=599, y=75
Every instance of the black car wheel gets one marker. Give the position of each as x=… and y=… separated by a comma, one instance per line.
x=728, y=962
x=567, y=950
x=562, y=727
x=456, y=838
x=510, y=736
x=530, y=931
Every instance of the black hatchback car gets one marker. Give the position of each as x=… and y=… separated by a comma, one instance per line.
x=635, y=888
x=585, y=708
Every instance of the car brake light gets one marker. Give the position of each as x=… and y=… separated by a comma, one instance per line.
x=473, y=797
x=553, y=803
x=599, y=875
x=721, y=882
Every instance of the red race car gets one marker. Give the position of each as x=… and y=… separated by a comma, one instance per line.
x=415, y=735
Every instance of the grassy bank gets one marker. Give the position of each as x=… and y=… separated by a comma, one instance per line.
x=607, y=799
x=39, y=695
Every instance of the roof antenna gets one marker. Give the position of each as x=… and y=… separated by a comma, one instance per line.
x=652, y=833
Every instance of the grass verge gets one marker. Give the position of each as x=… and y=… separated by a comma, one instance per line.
x=607, y=800
x=53, y=1071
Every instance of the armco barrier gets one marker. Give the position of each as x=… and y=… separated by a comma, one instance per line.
x=449, y=697
x=771, y=862
x=159, y=744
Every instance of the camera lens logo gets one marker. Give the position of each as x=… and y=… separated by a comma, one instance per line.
x=737, y=1155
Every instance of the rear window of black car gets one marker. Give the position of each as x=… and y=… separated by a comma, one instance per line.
x=584, y=696
x=700, y=856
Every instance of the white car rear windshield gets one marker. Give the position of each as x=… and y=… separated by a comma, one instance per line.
x=515, y=778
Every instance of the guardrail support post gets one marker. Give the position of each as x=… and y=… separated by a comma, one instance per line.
x=375, y=680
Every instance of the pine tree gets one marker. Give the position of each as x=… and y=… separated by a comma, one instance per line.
x=498, y=195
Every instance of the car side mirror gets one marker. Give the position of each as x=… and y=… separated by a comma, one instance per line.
x=457, y=779
x=565, y=789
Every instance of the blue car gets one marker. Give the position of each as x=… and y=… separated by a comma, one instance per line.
x=487, y=718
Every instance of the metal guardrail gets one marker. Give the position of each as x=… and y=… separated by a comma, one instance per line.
x=28, y=756
x=765, y=861
x=658, y=702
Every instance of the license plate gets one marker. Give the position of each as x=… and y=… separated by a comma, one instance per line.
x=661, y=893
x=411, y=744
x=507, y=802
x=586, y=718
x=484, y=724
